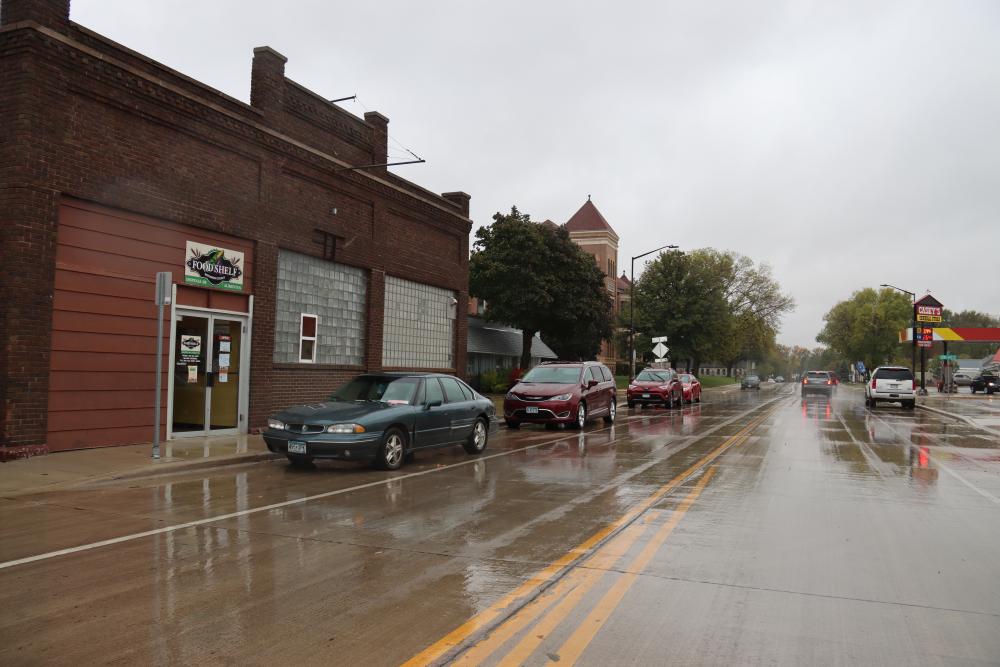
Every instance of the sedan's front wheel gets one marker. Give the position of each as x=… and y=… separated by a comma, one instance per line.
x=392, y=450
x=477, y=439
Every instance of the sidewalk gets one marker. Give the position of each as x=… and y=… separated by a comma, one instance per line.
x=68, y=469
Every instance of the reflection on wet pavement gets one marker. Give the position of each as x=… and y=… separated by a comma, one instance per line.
x=826, y=532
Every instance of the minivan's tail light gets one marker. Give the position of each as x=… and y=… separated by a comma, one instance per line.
x=873, y=384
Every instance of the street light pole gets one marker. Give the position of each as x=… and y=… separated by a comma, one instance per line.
x=631, y=309
x=913, y=323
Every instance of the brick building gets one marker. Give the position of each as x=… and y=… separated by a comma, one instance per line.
x=592, y=232
x=291, y=271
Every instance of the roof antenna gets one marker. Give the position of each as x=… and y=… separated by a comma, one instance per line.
x=588, y=197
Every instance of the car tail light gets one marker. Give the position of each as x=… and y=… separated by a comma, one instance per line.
x=804, y=381
x=873, y=383
x=829, y=381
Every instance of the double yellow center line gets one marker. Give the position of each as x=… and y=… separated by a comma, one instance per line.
x=511, y=617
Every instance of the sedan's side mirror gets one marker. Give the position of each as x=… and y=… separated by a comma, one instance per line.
x=432, y=404
x=591, y=384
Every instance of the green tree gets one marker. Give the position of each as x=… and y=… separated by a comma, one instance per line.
x=711, y=304
x=533, y=277
x=866, y=327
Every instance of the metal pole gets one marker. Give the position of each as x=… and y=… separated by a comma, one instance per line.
x=631, y=322
x=159, y=365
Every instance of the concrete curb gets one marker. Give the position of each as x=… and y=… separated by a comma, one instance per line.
x=967, y=420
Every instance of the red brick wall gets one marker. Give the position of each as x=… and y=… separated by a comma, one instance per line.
x=85, y=118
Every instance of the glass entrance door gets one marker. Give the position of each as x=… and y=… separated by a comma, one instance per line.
x=224, y=381
x=208, y=382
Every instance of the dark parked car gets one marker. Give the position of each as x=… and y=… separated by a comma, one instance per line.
x=987, y=382
x=750, y=382
x=656, y=385
x=818, y=382
x=562, y=392
x=382, y=418
x=692, y=388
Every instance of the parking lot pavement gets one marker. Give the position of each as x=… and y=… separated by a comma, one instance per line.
x=755, y=527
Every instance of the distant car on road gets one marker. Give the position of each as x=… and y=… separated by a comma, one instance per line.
x=382, y=418
x=750, y=382
x=780, y=378
x=692, y=388
x=962, y=379
x=987, y=382
x=891, y=384
x=818, y=382
x=562, y=392
x=655, y=385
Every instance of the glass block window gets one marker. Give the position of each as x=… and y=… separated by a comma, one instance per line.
x=333, y=295
x=418, y=330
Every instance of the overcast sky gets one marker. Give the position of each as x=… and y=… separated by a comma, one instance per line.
x=846, y=144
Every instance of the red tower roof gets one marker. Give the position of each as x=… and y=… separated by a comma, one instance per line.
x=588, y=219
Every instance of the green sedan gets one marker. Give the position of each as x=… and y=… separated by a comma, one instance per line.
x=383, y=418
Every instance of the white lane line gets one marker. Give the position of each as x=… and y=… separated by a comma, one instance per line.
x=985, y=494
x=298, y=501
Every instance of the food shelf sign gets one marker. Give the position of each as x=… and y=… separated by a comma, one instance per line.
x=211, y=266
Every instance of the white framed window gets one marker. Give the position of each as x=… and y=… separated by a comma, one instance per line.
x=308, y=326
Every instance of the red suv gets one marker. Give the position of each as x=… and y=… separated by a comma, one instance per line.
x=656, y=385
x=562, y=392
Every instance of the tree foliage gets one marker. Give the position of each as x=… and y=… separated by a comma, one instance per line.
x=533, y=277
x=710, y=304
x=866, y=327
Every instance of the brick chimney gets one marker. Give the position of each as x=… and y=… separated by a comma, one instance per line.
x=267, y=79
x=49, y=13
x=380, y=138
x=459, y=199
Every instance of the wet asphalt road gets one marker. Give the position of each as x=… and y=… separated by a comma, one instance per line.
x=753, y=528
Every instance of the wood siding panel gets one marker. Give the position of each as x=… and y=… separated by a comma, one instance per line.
x=103, y=349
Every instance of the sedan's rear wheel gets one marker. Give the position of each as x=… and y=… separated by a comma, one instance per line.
x=477, y=440
x=392, y=450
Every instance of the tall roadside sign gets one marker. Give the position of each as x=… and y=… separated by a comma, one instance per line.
x=927, y=311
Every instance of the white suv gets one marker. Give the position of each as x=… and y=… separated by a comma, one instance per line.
x=893, y=384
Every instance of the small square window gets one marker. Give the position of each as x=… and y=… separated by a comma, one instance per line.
x=308, y=325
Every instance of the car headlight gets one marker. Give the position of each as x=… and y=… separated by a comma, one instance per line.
x=276, y=425
x=562, y=397
x=511, y=395
x=345, y=428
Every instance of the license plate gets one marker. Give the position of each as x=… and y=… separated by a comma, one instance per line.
x=531, y=410
x=296, y=447
x=645, y=395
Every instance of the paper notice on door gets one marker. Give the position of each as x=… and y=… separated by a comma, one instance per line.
x=192, y=374
x=223, y=360
x=224, y=374
x=224, y=345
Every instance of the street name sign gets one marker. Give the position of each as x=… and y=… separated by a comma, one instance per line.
x=948, y=357
x=659, y=339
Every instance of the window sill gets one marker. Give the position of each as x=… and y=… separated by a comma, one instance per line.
x=305, y=365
